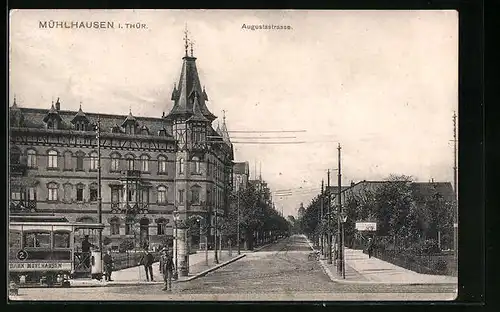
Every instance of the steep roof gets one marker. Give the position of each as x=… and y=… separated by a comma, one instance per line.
x=33, y=118
x=188, y=87
x=426, y=190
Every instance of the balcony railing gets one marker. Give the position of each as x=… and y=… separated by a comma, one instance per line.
x=133, y=173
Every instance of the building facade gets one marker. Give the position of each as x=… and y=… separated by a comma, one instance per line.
x=150, y=167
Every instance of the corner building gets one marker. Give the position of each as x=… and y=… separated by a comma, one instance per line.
x=150, y=167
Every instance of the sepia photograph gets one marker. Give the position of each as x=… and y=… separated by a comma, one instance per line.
x=233, y=155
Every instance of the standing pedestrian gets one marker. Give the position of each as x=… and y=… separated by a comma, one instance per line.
x=167, y=268
x=108, y=266
x=147, y=261
x=370, y=247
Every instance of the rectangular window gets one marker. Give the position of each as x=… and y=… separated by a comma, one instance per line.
x=130, y=164
x=61, y=240
x=52, y=159
x=145, y=196
x=115, y=164
x=115, y=228
x=115, y=195
x=128, y=228
x=37, y=240
x=15, y=195
x=162, y=165
x=144, y=165
x=79, y=162
x=162, y=195
x=31, y=159
x=181, y=196
x=52, y=194
x=93, y=194
x=160, y=230
x=93, y=162
x=79, y=194
x=31, y=193
x=195, y=192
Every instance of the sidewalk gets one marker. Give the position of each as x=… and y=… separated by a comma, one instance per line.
x=360, y=269
x=137, y=275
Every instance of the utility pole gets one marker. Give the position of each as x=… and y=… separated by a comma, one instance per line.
x=340, y=267
x=216, y=258
x=99, y=197
x=238, y=208
x=322, y=233
x=455, y=214
x=329, y=234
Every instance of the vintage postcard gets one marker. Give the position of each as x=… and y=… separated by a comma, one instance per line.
x=232, y=155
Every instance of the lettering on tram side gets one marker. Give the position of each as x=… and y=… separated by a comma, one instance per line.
x=39, y=265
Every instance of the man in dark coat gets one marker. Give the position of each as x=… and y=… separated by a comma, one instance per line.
x=167, y=268
x=108, y=266
x=147, y=260
x=86, y=250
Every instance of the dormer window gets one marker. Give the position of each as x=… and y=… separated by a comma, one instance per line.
x=130, y=124
x=80, y=121
x=144, y=130
x=52, y=119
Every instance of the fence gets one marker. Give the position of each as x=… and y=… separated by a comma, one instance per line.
x=437, y=264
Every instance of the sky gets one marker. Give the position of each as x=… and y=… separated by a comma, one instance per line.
x=382, y=84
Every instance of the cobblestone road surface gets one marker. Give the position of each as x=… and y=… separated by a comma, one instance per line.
x=279, y=271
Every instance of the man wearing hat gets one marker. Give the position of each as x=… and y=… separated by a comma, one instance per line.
x=108, y=266
x=166, y=268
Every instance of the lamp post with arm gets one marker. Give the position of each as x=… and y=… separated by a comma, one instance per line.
x=238, y=209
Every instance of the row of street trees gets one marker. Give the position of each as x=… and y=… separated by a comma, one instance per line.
x=258, y=221
x=257, y=218
x=406, y=219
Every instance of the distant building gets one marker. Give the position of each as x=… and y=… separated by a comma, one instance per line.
x=241, y=173
x=302, y=211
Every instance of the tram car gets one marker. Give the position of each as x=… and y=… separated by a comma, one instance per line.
x=43, y=251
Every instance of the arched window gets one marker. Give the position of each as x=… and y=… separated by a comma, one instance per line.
x=196, y=165
x=115, y=162
x=52, y=159
x=31, y=158
x=52, y=191
x=114, y=226
x=93, y=194
x=162, y=164
x=129, y=227
x=181, y=165
x=130, y=162
x=145, y=163
x=94, y=161
x=161, y=226
x=162, y=195
x=15, y=155
x=79, y=192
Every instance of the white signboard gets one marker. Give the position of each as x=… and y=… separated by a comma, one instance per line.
x=366, y=226
x=35, y=266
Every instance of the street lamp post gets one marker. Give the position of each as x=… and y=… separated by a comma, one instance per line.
x=343, y=219
x=176, y=219
x=238, y=209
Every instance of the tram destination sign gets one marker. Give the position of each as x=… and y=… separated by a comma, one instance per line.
x=32, y=266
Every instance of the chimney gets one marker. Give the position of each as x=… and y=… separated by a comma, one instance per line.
x=58, y=105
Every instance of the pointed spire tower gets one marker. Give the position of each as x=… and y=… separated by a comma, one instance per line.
x=189, y=85
x=224, y=133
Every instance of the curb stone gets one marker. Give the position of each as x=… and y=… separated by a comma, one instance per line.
x=198, y=275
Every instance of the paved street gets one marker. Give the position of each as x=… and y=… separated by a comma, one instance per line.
x=280, y=271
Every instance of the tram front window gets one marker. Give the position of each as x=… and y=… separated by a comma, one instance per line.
x=61, y=240
x=37, y=240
